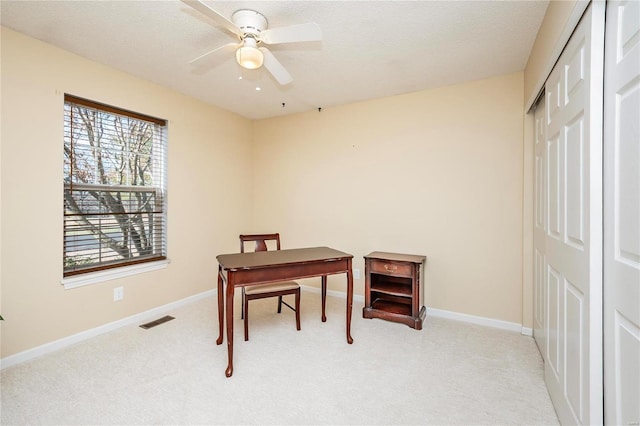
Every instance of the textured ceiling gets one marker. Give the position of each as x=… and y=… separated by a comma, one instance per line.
x=370, y=49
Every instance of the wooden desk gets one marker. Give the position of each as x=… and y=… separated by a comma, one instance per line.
x=245, y=269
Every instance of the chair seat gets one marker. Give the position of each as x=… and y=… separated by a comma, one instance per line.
x=268, y=288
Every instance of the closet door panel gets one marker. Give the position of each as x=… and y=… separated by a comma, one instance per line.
x=622, y=214
x=539, y=228
x=573, y=242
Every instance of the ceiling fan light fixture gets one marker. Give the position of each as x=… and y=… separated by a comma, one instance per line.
x=249, y=56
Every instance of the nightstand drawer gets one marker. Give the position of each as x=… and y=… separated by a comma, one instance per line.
x=391, y=268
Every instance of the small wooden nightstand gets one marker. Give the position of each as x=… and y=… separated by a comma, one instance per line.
x=394, y=288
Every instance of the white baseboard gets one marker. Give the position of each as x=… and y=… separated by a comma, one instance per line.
x=38, y=351
x=526, y=331
x=84, y=335
x=488, y=322
x=340, y=294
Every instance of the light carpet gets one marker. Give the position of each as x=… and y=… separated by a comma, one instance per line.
x=450, y=372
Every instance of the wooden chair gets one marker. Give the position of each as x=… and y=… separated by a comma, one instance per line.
x=262, y=291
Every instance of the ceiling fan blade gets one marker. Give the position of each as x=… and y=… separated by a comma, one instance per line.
x=275, y=67
x=222, y=49
x=292, y=34
x=213, y=15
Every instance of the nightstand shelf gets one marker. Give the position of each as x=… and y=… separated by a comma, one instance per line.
x=391, y=285
x=394, y=288
x=388, y=306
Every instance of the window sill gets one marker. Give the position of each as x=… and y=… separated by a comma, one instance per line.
x=112, y=274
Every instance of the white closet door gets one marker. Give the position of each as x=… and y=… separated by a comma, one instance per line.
x=622, y=214
x=539, y=228
x=573, y=239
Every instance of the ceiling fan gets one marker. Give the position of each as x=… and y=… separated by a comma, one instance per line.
x=251, y=28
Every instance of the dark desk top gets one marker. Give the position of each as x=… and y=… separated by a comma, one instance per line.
x=263, y=259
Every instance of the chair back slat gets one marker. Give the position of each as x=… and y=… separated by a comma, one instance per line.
x=260, y=240
x=261, y=245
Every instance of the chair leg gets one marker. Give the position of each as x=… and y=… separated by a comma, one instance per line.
x=298, y=309
x=245, y=306
x=279, y=304
x=242, y=304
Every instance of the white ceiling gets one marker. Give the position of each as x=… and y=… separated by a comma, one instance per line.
x=370, y=49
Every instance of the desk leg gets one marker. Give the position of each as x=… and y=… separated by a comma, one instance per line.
x=229, y=307
x=349, y=301
x=324, y=297
x=220, y=306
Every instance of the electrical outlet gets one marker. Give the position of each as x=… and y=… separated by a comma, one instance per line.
x=118, y=294
x=356, y=274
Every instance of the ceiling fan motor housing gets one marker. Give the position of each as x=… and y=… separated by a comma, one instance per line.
x=249, y=21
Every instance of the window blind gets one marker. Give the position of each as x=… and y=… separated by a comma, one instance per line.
x=115, y=199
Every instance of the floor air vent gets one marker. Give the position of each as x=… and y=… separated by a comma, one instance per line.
x=157, y=322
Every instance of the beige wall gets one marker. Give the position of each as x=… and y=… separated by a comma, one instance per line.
x=208, y=148
x=437, y=172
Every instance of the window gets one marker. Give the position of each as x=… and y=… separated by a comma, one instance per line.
x=114, y=187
